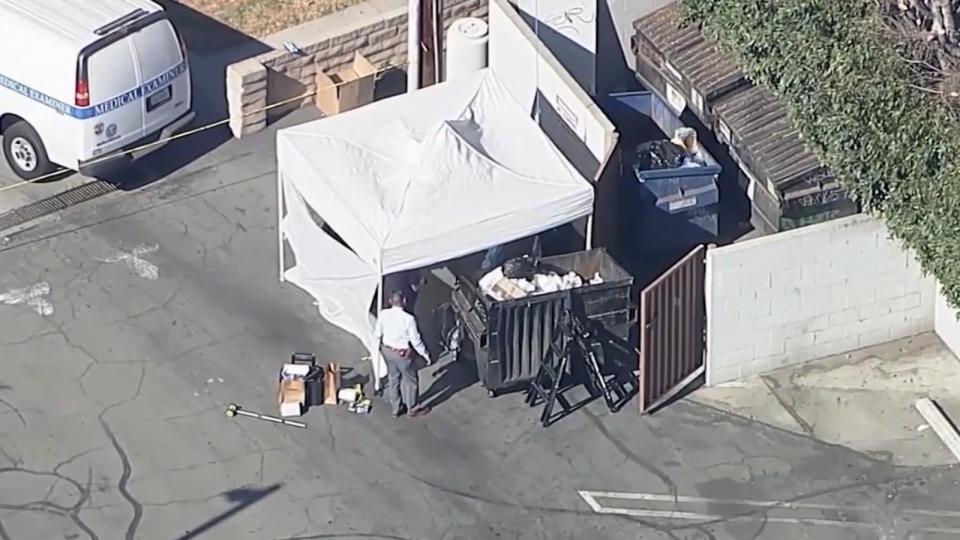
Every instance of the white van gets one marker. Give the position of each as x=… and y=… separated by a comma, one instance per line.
x=81, y=80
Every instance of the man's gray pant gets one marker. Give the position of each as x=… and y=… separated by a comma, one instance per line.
x=403, y=382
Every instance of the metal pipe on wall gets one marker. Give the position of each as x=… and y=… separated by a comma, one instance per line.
x=438, y=33
x=413, y=45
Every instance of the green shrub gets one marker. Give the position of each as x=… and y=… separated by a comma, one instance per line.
x=858, y=106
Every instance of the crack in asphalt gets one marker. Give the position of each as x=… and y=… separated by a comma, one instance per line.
x=70, y=512
x=83, y=374
x=127, y=471
x=715, y=414
x=347, y=536
x=195, y=349
x=340, y=494
x=773, y=385
x=631, y=455
x=69, y=342
x=15, y=410
x=13, y=461
x=762, y=527
x=24, y=341
x=161, y=307
x=333, y=439
x=122, y=484
x=49, y=493
x=215, y=210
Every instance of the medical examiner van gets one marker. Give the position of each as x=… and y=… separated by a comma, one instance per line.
x=83, y=80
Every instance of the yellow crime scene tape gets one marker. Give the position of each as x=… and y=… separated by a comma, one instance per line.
x=194, y=131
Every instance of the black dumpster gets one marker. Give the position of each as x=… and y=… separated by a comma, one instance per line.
x=510, y=338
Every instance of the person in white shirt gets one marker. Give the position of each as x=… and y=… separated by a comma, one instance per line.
x=397, y=334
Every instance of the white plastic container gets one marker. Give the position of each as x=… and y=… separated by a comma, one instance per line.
x=466, y=47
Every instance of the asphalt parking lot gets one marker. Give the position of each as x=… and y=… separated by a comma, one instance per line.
x=128, y=323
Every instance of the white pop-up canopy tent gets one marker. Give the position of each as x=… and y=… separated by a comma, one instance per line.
x=411, y=181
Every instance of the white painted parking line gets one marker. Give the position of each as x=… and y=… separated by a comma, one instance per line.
x=652, y=506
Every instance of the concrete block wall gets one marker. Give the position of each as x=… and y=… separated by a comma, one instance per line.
x=247, y=97
x=810, y=293
x=376, y=29
x=947, y=324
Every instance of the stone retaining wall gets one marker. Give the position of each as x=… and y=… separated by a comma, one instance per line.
x=376, y=29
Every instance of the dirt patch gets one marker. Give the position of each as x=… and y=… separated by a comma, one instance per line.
x=261, y=18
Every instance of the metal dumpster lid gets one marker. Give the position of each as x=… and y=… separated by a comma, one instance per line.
x=703, y=189
x=690, y=52
x=763, y=130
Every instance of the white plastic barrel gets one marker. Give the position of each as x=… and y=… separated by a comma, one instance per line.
x=466, y=47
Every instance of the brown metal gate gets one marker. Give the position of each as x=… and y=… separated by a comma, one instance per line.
x=672, y=323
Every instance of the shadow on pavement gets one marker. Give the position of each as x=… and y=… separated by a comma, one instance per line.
x=578, y=389
x=211, y=47
x=456, y=374
x=241, y=498
x=204, y=35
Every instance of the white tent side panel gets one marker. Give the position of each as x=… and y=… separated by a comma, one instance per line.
x=344, y=207
x=342, y=285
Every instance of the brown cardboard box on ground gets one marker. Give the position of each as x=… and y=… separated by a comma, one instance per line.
x=293, y=395
x=293, y=389
x=331, y=383
x=348, y=89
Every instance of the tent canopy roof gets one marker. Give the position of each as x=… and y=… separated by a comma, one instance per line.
x=432, y=175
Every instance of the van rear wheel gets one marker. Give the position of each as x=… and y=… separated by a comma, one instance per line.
x=25, y=152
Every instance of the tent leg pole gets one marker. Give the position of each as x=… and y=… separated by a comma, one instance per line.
x=588, y=241
x=375, y=354
x=279, y=224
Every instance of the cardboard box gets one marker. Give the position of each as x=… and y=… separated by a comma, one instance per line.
x=293, y=391
x=331, y=383
x=293, y=395
x=291, y=409
x=294, y=371
x=508, y=290
x=351, y=88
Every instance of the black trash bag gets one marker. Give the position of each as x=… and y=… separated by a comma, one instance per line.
x=520, y=268
x=655, y=155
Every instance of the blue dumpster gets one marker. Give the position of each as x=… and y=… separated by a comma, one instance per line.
x=669, y=208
